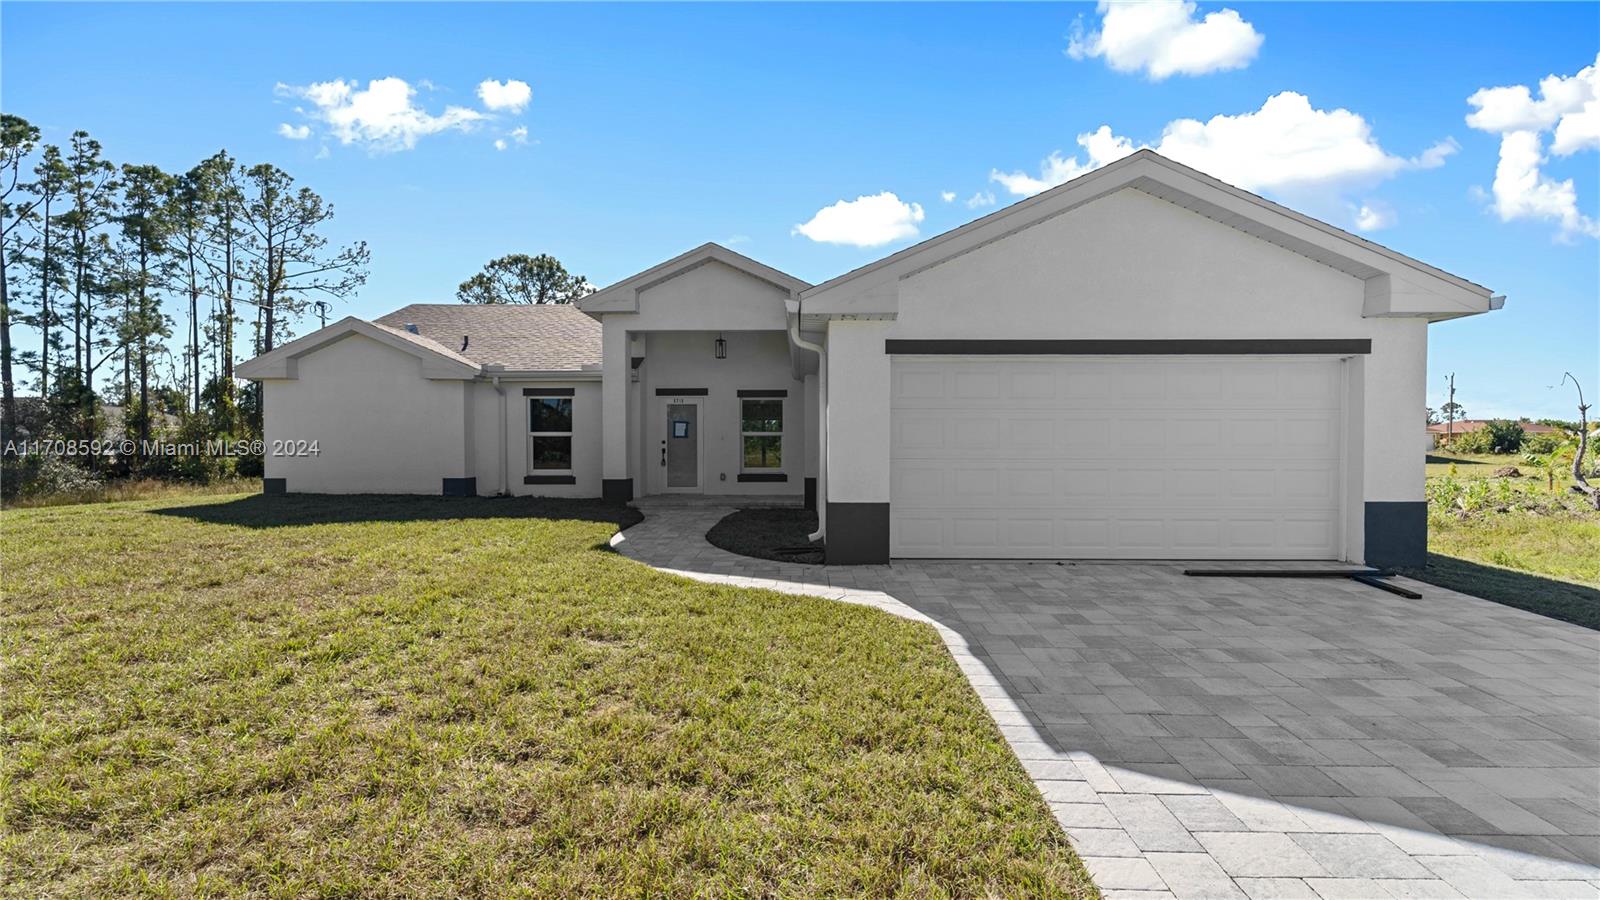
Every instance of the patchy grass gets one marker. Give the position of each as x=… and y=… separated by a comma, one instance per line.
x=1512, y=539
x=302, y=696
x=761, y=533
x=136, y=489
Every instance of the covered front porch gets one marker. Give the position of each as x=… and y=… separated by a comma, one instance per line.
x=704, y=392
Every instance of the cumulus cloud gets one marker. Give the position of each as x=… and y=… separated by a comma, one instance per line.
x=980, y=200
x=1569, y=108
x=1101, y=145
x=1374, y=217
x=867, y=221
x=383, y=116
x=1166, y=37
x=294, y=132
x=1287, y=147
x=504, y=96
x=947, y=196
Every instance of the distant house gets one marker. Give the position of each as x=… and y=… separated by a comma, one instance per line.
x=1444, y=432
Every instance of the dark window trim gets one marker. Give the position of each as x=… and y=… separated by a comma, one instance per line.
x=682, y=392
x=763, y=476
x=549, y=479
x=763, y=394
x=547, y=392
x=1201, y=347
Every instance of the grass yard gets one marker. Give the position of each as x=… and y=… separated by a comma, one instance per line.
x=1511, y=539
x=298, y=696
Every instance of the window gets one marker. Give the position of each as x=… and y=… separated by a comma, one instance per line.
x=761, y=431
x=550, y=434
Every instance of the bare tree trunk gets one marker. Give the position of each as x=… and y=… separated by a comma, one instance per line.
x=45, y=314
x=8, y=399
x=1581, y=484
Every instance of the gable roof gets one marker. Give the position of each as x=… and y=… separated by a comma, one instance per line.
x=624, y=295
x=1397, y=284
x=438, y=361
x=1462, y=426
x=555, y=337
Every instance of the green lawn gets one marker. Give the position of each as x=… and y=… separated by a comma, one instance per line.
x=289, y=696
x=1512, y=539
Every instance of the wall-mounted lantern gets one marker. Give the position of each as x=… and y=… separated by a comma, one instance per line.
x=721, y=348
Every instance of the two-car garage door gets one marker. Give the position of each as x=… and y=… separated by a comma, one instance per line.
x=1150, y=457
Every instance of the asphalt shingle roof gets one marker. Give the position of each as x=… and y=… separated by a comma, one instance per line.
x=521, y=337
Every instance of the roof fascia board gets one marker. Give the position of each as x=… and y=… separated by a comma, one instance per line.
x=624, y=295
x=282, y=362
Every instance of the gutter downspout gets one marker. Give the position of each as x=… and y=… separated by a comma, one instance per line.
x=822, y=423
x=505, y=478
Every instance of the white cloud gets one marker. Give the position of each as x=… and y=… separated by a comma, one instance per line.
x=980, y=199
x=947, y=196
x=504, y=96
x=867, y=221
x=1165, y=38
x=1568, y=106
x=1287, y=147
x=1374, y=217
x=383, y=116
x=1103, y=147
x=517, y=135
x=294, y=132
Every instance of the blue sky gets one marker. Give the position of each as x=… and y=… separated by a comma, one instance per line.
x=650, y=129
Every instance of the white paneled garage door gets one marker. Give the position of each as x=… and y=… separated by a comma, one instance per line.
x=1151, y=457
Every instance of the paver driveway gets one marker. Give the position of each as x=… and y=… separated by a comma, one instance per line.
x=1222, y=737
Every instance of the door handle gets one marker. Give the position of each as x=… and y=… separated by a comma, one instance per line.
x=663, y=453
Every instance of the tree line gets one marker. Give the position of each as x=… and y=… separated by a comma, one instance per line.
x=136, y=284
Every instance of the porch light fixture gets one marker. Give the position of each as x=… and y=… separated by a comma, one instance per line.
x=721, y=348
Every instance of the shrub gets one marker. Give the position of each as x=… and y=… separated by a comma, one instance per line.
x=42, y=475
x=1504, y=436
x=1544, y=444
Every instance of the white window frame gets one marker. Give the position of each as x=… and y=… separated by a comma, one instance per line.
x=782, y=419
x=532, y=435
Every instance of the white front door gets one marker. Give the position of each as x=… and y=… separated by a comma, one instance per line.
x=1151, y=457
x=681, y=447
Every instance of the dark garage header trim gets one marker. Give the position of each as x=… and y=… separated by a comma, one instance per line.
x=1224, y=347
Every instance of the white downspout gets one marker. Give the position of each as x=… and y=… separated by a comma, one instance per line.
x=822, y=422
x=505, y=475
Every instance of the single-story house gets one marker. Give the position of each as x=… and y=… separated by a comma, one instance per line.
x=1444, y=432
x=1142, y=363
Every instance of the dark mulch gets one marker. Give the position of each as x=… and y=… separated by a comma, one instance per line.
x=761, y=533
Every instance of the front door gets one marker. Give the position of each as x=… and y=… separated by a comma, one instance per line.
x=680, y=450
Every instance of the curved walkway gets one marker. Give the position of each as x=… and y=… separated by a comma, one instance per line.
x=1220, y=737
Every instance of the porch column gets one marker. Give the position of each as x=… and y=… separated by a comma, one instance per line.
x=615, y=473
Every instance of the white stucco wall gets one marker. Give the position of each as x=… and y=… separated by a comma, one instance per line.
x=487, y=443
x=1132, y=266
x=380, y=426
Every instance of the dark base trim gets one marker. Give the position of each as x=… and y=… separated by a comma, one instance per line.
x=1397, y=533
x=549, y=479
x=617, y=490
x=858, y=534
x=274, y=485
x=1130, y=347
x=461, y=487
x=811, y=493
x=762, y=476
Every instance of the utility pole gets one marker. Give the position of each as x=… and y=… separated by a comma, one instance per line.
x=1450, y=411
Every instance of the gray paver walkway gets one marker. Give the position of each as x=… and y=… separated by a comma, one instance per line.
x=1219, y=737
